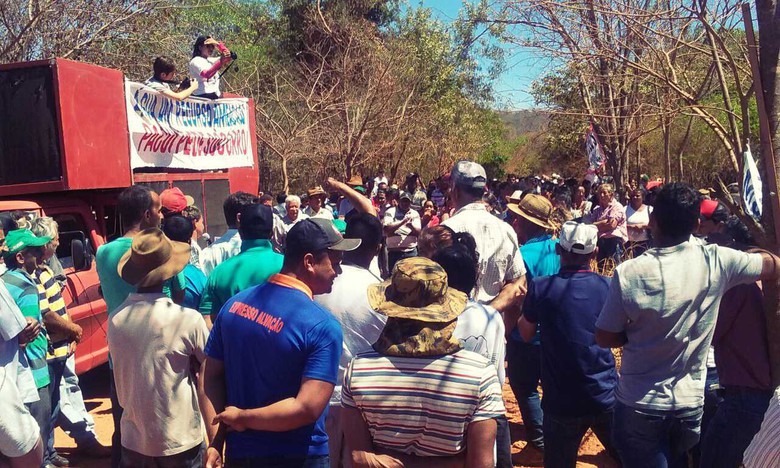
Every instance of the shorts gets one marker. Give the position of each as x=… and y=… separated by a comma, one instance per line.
x=18, y=430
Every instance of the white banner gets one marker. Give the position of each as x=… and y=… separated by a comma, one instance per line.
x=194, y=133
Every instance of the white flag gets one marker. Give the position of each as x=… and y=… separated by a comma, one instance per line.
x=752, y=194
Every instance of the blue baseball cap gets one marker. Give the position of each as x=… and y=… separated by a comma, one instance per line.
x=317, y=234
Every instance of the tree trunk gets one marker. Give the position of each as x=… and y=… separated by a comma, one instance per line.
x=665, y=130
x=768, y=16
x=285, y=176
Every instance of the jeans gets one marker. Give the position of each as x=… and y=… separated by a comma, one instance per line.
x=279, y=462
x=56, y=370
x=335, y=435
x=116, y=415
x=712, y=399
x=393, y=256
x=563, y=436
x=74, y=418
x=503, y=443
x=41, y=412
x=524, y=372
x=192, y=458
x=655, y=438
x=731, y=430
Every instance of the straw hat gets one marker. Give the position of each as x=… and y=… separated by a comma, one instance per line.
x=355, y=181
x=152, y=259
x=535, y=208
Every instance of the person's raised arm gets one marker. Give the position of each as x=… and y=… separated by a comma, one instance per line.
x=770, y=266
x=356, y=199
x=285, y=415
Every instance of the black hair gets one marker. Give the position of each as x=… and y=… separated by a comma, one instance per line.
x=7, y=223
x=196, y=47
x=392, y=194
x=251, y=223
x=233, y=204
x=473, y=192
x=739, y=232
x=281, y=197
x=676, y=210
x=460, y=263
x=162, y=65
x=178, y=228
x=720, y=214
x=562, y=196
x=265, y=198
x=133, y=202
x=192, y=213
x=366, y=227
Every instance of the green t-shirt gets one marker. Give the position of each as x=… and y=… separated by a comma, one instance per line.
x=30, y=299
x=254, y=265
x=115, y=289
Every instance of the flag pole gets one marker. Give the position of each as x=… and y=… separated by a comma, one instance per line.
x=767, y=152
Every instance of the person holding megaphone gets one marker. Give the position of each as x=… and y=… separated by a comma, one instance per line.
x=204, y=68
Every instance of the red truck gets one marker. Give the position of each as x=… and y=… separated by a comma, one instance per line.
x=65, y=153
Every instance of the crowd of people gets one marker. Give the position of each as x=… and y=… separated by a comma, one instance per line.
x=365, y=323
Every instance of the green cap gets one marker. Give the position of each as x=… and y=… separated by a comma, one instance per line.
x=20, y=239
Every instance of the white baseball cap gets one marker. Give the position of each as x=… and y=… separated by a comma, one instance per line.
x=468, y=174
x=578, y=238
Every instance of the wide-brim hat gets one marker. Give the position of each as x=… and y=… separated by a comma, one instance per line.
x=417, y=290
x=355, y=181
x=535, y=208
x=152, y=259
x=317, y=191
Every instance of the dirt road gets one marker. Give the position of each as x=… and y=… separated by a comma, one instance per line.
x=95, y=388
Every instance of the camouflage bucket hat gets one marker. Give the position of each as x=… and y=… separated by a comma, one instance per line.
x=417, y=290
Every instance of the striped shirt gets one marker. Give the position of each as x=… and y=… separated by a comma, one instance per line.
x=764, y=450
x=422, y=406
x=28, y=295
x=51, y=292
x=500, y=260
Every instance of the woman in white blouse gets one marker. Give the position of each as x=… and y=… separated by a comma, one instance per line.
x=637, y=221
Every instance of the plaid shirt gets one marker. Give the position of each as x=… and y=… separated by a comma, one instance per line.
x=500, y=260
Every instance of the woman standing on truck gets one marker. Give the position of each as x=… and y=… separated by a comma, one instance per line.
x=205, y=69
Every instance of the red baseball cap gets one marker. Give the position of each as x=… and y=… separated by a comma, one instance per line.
x=173, y=200
x=708, y=208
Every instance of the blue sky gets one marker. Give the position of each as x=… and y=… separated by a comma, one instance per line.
x=522, y=65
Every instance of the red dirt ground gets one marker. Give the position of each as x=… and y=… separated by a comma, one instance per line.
x=95, y=387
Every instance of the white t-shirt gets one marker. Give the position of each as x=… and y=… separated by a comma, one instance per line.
x=480, y=329
x=634, y=217
x=18, y=429
x=403, y=239
x=205, y=85
x=324, y=213
x=151, y=341
x=226, y=246
x=348, y=302
x=499, y=253
x=157, y=85
x=666, y=301
x=345, y=207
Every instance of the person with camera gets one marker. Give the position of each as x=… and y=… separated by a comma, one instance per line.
x=164, y=80
x=204, y=68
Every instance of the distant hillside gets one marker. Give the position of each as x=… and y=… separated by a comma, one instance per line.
x=524, y=121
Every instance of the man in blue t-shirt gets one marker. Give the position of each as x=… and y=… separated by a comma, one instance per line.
x=273, y=358
x=578, y=376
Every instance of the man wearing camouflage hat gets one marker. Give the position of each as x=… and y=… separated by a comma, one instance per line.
x=426, y=380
